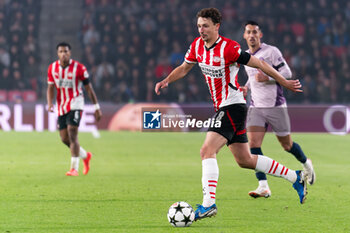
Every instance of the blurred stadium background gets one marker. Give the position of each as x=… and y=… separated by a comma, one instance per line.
x=128, y=45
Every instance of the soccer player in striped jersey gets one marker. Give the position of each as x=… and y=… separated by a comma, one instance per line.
x=68, y=76
x=219, y=59
x=268, y=106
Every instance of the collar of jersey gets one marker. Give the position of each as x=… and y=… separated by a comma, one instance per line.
x=70, y=61
x=256, y=50
x=216, y=42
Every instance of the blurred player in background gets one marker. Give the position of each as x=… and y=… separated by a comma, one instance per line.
x=219, y=59
x=268, y=106
x=68, y=77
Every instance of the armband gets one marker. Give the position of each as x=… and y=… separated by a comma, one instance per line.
x=86, y=81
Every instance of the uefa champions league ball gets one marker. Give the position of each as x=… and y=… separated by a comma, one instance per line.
x=181, y=214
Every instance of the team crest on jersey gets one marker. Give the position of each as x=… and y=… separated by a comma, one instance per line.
x=70, y=75
x=216, y=59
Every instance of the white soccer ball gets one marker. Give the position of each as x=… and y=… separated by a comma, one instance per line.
x=181, y=214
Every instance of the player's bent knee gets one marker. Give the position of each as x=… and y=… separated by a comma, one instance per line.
x=66, y=142
x=253, y=144
x=243, y=164
x=73, y=135
x=286, y=146
x=206, y=153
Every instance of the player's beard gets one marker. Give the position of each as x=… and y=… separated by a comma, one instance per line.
x=204, y=37
x=64, y=62
x=253, y=43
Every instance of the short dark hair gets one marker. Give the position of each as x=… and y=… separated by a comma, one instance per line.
x=212, y=13
x=252, y=22
x=63, y=44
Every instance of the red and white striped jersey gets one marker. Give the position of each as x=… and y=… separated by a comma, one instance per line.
x=219, y=67
x=68, y=83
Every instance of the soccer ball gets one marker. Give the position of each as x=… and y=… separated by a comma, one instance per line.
x=181, y=214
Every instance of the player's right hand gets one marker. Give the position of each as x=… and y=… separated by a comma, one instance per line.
x=98, y=115
x=244, y=89
x=160, y=85
x=50, y=108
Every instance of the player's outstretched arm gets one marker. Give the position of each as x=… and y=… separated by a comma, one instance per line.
x=177, y=73
x=293, y=85
x=49, y=96
x=92, y=96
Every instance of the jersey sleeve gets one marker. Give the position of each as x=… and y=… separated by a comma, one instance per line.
x=190, y=56
x=233, y=51
x=50, y=79
x=280, y=64
x=84, y=74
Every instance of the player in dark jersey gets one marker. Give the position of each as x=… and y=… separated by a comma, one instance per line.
x=219, y=59
x=68, y=77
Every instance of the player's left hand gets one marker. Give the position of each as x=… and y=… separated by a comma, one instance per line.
x=98, y=115
x=293, y=85
x=244, y=89
x=261, y=77
x=50, y=108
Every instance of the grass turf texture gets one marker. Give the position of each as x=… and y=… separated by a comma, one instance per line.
x=135, y=177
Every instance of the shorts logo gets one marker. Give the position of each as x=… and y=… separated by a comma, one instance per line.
x=220, y=116
x=152, y=120
x=76, y=117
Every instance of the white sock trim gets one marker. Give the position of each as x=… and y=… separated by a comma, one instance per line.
x=210, y=177
x=262, y=164
x=82, y=153
x=272, y=167
x=75, y=163
x=263, y=183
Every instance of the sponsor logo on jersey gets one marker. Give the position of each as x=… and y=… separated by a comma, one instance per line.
x=66, y=83
x=213, y=73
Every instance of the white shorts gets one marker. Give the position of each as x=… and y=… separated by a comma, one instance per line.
x=276, y=117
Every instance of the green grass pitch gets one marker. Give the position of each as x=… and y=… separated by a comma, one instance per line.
x=135, y=177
